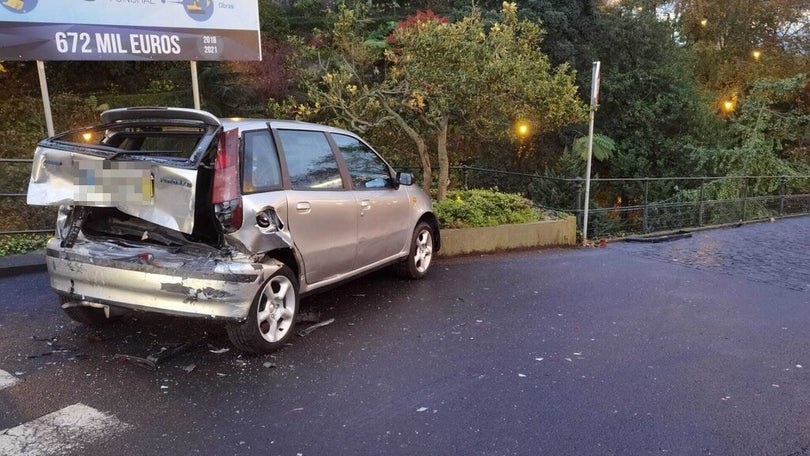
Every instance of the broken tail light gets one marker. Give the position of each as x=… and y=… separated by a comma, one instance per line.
x=226, y=199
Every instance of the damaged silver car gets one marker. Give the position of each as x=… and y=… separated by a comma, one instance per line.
x=175, y=211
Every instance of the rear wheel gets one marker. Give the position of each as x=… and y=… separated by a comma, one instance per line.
x=87, y=315
x=421, y=254
x=272, y=316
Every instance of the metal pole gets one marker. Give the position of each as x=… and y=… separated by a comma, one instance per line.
x=646, y=226
x=464, y=173
x=745, y=199
x=195, y=84
x=782, y=182
x=46, y=98
x=594, y=101
x=579, y=202
x=701, y=208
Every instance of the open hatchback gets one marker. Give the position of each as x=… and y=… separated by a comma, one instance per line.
x=175, y=211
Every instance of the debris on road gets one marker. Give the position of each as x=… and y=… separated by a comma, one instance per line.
x=305, y=332
x=151, y=362
x=219, y=351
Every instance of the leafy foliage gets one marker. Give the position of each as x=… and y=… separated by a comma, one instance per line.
x=726, y=33
x=602, y=148
x=650, y=103
x=22, y=243
x=486, y=79
x=479, y=208
x=771, y=129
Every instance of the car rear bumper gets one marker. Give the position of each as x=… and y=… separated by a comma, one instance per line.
x=150, y=279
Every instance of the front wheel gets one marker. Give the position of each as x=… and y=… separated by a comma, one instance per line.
x=417, y=263
x=272, y=316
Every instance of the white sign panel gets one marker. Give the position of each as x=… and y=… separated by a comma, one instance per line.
x=129, y=30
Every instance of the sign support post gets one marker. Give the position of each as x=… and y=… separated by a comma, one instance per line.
x=128, y=31
x=594, y=104
x=195, y=84
x=46, y=99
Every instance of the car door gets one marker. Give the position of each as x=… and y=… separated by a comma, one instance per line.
x=383, y=227
x=322, y=211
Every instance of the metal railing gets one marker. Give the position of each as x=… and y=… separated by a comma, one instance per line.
x=618, y=206
x=624, y=206
x=18, y=217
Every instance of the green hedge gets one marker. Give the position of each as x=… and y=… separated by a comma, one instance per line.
x=478, y=208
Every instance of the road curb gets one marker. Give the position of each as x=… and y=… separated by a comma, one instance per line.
x=13, y=265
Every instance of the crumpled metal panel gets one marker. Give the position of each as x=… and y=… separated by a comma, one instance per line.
x=255, y=239
x=154, y=279
x=161, y=194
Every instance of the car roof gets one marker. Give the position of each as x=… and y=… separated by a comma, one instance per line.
x=241, y=123
x=256, y=124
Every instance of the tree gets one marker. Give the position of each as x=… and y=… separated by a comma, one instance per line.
x=650, y=103
x=771, y=130
x=740, y=41
x=438, y=75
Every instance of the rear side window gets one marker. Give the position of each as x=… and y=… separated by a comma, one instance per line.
x=366, y=168
x=310, y=160
x=261, y=166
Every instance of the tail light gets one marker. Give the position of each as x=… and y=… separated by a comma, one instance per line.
x=226, y=198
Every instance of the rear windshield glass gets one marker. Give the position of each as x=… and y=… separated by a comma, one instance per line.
x=159, y=141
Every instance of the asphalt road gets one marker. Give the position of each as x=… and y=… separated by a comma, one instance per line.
x=691, y=347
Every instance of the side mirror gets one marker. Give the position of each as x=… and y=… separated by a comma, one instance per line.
x=404, y=178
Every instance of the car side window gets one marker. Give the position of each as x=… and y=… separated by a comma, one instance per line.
x=261, y=169
x=366, y=168
x=310, y=160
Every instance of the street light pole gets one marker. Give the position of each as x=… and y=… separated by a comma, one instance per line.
x=594, y=103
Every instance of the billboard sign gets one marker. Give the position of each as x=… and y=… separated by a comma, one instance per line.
x=196, y=30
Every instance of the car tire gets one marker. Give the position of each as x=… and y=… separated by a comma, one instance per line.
x=420, y=256
x=271, y=318
x=87, y=315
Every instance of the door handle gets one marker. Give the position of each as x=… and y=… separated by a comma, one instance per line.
x=303, y=207
x=364, y=206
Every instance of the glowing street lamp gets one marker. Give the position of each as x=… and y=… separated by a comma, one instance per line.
x=756, y=54
x=704, y=22
x=728, y=105
x=523, y=129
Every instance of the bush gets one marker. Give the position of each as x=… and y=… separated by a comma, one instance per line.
x=22, y=243
x=478, y=208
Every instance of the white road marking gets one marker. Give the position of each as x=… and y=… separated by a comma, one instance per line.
x=60, y=432
x=6, y=379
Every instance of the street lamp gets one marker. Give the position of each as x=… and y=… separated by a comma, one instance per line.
x=704, y=22
x=756, y=54
x=523, y=129
x=728, y=105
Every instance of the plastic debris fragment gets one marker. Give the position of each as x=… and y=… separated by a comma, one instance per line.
x=305, y=332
